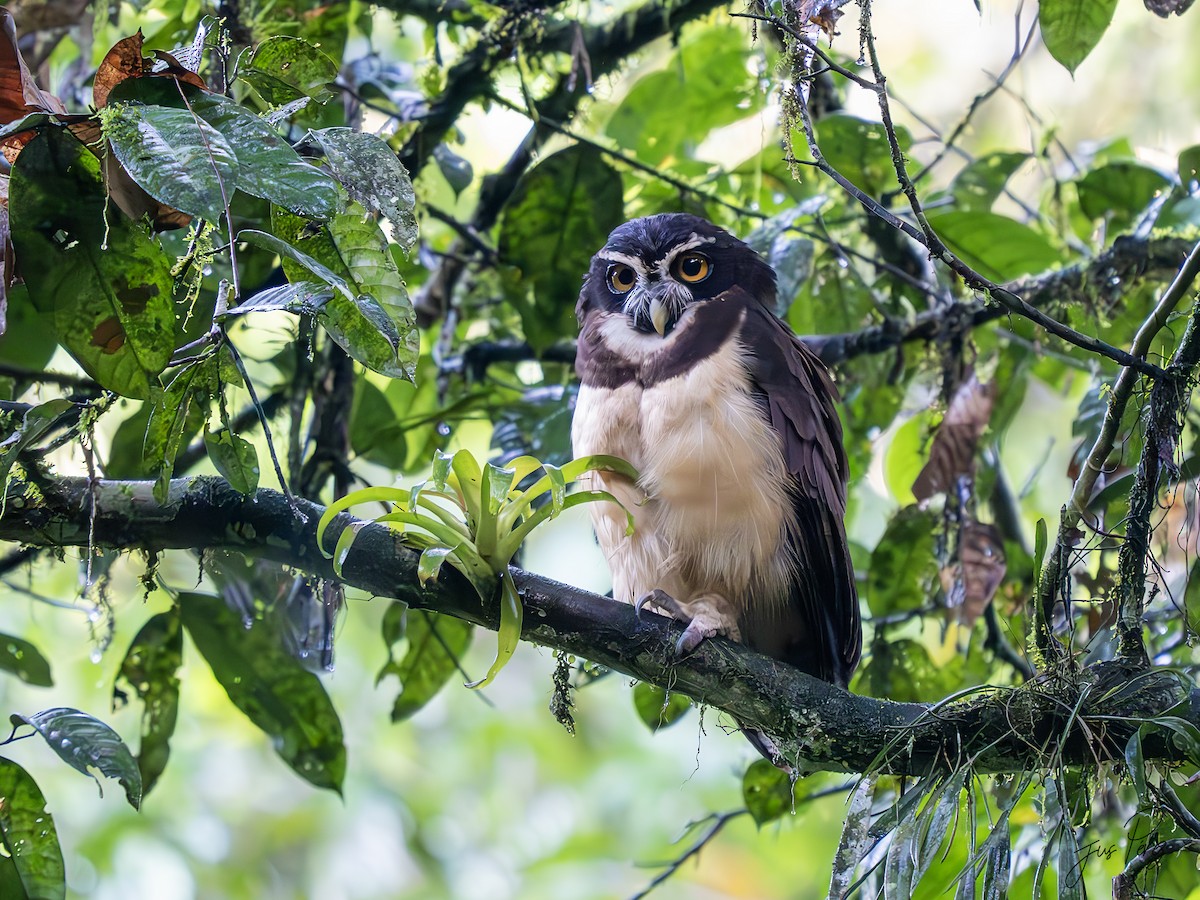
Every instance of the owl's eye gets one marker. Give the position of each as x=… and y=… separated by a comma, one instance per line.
x=692, y=267
x=621, y=277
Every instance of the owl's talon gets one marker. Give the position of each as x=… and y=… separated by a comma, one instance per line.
x=663, y=601
x=693, y=636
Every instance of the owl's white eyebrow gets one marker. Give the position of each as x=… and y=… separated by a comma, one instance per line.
x=632, y=261
x=664, y=266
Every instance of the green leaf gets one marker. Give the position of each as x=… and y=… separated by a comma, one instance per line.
x=100, y=280
x=32, y=863
x=917, y=838
x=267, y=166
x=1119, y=192
x=559, y=215
x=669, y=112
x=36, y=422
x=151, y=669
x=903, y=565
x=86, y=744
x=272, y=688
x=175, y=156
x=859, y=149
x=372, y=175
x=435, y=646
x=981, y=182
x=1041, y=541
x=658, y=708
x=370, y=314
x=767, y=791
x=508, y=636
x=1189, y=165
x=24, y=660
x=283, y=69
x=1072, y=28
x=169, y=421
x=235, y=458
x=431, y=561
x=997, y=247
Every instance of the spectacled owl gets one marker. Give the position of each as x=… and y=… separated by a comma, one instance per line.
x=732, y=424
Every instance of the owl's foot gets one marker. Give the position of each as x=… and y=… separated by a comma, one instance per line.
x=702, y=617
x=664, y=601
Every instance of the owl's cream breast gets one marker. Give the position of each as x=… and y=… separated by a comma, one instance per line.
x=708, y=514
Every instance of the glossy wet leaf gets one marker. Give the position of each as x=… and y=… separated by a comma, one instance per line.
x=87, y=745
x=151, y=670
x=31, y=866
x=369, y=313
x=24, y=660
x=658, y=708
x=1072, y=28
x=436, y=644
x=373, y=177
x=175, y=156
x=267, y=166
x=283, y=69
x=271, y=687
x=235, y=458
x=560, y=213
x=99, y=280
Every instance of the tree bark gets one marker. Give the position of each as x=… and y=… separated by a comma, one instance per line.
x=1080, y=717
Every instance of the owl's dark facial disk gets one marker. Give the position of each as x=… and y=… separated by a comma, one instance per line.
x=653, y=269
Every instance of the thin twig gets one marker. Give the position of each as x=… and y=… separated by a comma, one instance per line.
x=1123, y=885
x=719, y=821
x=1081, y=492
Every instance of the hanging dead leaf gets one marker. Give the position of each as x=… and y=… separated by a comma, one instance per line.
x=125, y=60
x=19, y=93
x=952, y=454
x=972, y=581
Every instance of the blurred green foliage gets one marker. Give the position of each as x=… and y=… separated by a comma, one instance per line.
x=529, y=131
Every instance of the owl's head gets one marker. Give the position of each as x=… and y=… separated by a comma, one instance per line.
x=653, y=269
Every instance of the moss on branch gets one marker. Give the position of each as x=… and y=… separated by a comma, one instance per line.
x=1078, y=718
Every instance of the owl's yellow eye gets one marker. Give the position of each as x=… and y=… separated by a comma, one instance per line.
x=621, y=277
x=692, y=267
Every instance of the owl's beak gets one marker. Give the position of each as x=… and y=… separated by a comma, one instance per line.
x=660, y=315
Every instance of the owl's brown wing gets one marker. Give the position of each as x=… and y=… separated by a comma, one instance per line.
x=820, y=631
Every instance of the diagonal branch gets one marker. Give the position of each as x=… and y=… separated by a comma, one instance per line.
x=1078, y=719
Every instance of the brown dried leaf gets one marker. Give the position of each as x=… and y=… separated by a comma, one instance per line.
x=952, y=454
x=123, y=60
x=824, y=14
x=19, y=93
x=972, y=581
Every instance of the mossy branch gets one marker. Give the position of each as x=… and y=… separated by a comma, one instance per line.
x=1080, y=719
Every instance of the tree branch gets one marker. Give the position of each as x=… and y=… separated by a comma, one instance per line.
x=1080, y=719
x=1127, y=261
